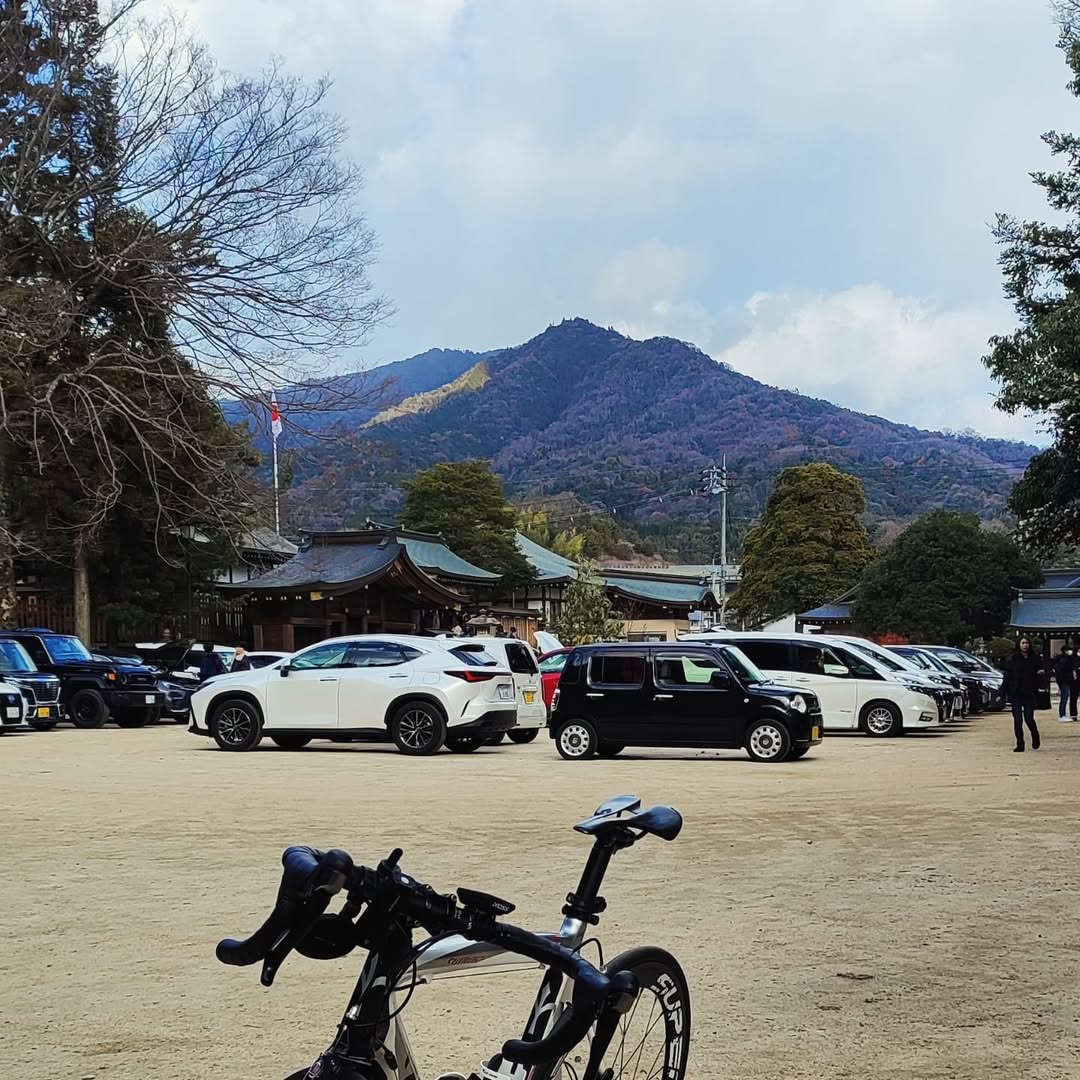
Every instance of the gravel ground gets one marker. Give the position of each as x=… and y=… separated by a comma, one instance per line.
x=881, y=909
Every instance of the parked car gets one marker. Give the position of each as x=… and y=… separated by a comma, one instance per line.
x=92, y=691
x=419, y=692
x=950, y=698
x=856, y=692
x=40, y=691
x=180, y=659
x=991, y=681
x=519, y=659
x=677, y=695
x=972, y=687
x=12, y=708
x=551, y=666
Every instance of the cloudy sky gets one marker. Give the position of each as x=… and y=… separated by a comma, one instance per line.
x=803, y=190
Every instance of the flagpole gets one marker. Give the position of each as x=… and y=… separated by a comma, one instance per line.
x=277, y=504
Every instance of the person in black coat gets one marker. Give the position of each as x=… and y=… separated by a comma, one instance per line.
x=241, y=660
x=1065, y=677
x=1023, y=677
x=209, y=663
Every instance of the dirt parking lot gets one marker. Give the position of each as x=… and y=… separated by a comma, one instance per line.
x=895, y=909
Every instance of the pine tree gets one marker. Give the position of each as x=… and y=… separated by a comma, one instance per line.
x=586, y=615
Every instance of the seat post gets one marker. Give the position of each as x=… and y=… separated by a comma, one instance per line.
x=586, y=903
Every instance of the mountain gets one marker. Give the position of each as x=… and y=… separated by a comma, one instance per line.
x=627, y=426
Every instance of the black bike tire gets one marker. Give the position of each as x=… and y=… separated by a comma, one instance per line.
x=648, y=964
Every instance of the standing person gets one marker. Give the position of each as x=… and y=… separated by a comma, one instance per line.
x=241, y=660
x=1022, y=675
x=1065, y=677
x=209, y=663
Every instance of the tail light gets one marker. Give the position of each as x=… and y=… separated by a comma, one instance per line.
x=473, y=676
x=555, y=699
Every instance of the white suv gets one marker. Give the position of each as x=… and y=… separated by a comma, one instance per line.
x=856, y=692
x=419, y=692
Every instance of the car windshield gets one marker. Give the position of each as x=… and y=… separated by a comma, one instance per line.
x=936, y=662
x=14, y=659
x=62, y=647
x=916, y=658
x=882, y=658
x=742, y=665
x=553, y=663
x=474, y=656
x=962, y=660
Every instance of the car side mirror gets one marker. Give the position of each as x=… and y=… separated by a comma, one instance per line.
x=283, y=671
x=720, y=680
x=837, y=671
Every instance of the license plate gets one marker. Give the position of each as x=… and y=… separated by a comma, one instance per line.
x=12, y=713
x=506, y=693
x=43, y=712
x=815, y=732
x=530, y=696
x=149, y=699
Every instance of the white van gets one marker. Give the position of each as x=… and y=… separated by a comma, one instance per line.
x=12, y=708
x=521, y=660
x=855, y=691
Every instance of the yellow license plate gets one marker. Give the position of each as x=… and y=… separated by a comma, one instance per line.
x=530, y=696
x=43, y=712
x=815, y=732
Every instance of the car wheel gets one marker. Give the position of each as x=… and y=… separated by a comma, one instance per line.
x=881, y=719
x=609, y=749
x=133, y=718
x=576, y=739
x=418, y=729
x=88, y=709
x=798, y=752
x=43, y=725
x=236, y=725
x=768, y=741
x=463, y=744
x=290, y=742
x=494, y=740
x=521, y=736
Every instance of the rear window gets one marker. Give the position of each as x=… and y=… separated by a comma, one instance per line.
x=617, y=669
x=521, y=660
x=553, y=663
x=474, y=656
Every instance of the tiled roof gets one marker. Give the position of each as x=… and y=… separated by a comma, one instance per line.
x=433, y=555
x=1061, y=577
x=829, y=611
x=1047, y=609
x=262, y=540
x=657, y=590
x=321, y=567
x=549, y=567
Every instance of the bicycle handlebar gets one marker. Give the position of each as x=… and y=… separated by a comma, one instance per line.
x=310, y=880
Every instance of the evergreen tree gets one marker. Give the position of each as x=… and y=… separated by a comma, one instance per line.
x=586, y=615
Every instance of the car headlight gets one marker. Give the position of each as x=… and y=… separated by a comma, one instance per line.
x=798, y=704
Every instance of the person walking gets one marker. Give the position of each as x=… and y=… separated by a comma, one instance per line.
x=1022, y=676
x=1065, y=677
x=241, y=661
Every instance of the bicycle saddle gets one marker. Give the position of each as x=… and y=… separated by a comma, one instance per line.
x=663, y=821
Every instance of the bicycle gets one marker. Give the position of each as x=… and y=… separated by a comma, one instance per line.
x=577, y=1003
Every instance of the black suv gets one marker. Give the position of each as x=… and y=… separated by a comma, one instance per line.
x=92, y=691
x=613, y=696
x=40, y=691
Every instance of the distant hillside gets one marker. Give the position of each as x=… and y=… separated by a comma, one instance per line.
x=627, y=425
x=473, y=379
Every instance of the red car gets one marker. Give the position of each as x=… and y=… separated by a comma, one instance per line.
x=551, y=665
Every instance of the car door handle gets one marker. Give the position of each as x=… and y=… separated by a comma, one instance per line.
x=328, y=678
x=403, y=675
x=663, y=697
x=594, y=695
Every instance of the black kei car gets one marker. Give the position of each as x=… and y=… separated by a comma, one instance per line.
x=677, y=695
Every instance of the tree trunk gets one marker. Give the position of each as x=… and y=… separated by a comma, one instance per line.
x=7, y=553
x=81, y=589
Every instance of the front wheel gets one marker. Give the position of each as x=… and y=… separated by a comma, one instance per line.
x=463, y=744
x=133, y=718
x=882, y=720
x=236, y=725
x=768, y=741
x=653, y=1038
x=798, y=752
x=88, y=709
x=418, y=729
x=576, y=739
x=290, y=742
x=521, y=736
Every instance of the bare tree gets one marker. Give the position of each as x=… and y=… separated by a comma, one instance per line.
x=170, y=235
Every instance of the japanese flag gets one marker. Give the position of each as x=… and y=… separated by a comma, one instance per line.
x=275, y=416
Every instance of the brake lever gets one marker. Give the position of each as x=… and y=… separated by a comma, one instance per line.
x=313, y=911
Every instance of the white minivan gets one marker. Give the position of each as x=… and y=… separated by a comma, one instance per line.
x=516, y=655
x=856, y=692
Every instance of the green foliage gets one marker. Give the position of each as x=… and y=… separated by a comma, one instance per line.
x=586, y=614
x=1038, y=364
x=809, y=546
x=999, y=650
x=569, y=543
x=944, y=580
x=463, y=502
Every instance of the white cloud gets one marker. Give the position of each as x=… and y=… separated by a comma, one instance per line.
x=871, y=350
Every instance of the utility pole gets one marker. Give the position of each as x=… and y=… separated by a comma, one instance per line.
x=715, y=481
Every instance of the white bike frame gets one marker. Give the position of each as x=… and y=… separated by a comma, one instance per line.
x=455, y=957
